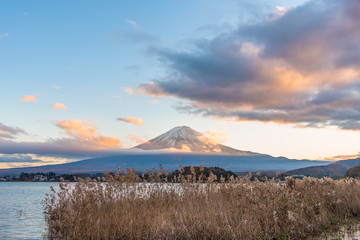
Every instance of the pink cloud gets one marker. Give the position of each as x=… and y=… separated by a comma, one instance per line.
x=82, y=139
x=300, y=67
x=133, y=120
x=132, y=137
x=58, y=106
x=28, y=98
x=85, y=133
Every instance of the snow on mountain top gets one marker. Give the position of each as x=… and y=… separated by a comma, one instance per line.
x=185, y=138
x=178, y=133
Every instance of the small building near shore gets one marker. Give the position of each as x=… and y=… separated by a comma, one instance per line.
x=40, y=178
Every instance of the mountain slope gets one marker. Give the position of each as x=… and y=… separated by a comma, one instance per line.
x=337, y=169
x=353, y=172
x=171, y=162
x=186, y=139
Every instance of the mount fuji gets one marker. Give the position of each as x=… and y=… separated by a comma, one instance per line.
x=187, y=139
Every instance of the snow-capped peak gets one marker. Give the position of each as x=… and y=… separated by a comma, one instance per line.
x=187, y=139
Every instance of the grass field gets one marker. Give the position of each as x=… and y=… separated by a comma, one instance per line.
x=192, y=206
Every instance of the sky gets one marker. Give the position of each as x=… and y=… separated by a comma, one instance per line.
x=85, y=78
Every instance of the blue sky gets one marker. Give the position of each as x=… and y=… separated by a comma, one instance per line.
x=98, y=60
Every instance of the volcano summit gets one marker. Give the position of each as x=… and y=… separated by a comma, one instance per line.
x=187, y=139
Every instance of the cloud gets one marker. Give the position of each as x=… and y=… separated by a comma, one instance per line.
x=63, y=146
x=17, y=158
x=342, y=157
x=32, y=160
x=56, y=87
x=132, y=137
x=86, y=133
x=134, y=35
x=117, y=97
x=83, y=139
x=214, y=137
x=131, y=91
x=4, y=35
x=152, y=89
x=131, y=22
x=301, y=68
x=58, y=106
x=28, y=98
x=134, y=68
x=184, y=148
x=278, y=12
x=10, y=132
x=133, y=120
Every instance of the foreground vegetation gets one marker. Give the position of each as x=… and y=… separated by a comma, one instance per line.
x=193, y=206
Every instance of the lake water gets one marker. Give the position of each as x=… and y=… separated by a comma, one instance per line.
x=21, y=211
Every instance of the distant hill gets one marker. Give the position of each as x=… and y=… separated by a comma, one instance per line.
x=337, y=169
x=353, y=172
x=235, y=163
x=187, y=139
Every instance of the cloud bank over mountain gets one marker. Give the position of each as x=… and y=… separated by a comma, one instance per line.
x=299, y=67
x=80, y=138
x=17, y=159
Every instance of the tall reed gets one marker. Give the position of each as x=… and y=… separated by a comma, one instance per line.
x=192, y=206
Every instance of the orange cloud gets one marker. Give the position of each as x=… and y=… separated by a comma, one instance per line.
x=151, y=89
x=342, y=157
x=184, y=148
x=28, y=98
x=130, y=91
x=133, y=120
x=86, y=133
x=132, y=137
x=213, y=137
x=58, y=106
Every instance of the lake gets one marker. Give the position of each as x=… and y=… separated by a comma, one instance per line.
x=21, y=210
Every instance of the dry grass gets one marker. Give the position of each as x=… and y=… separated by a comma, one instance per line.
x=126, y=207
